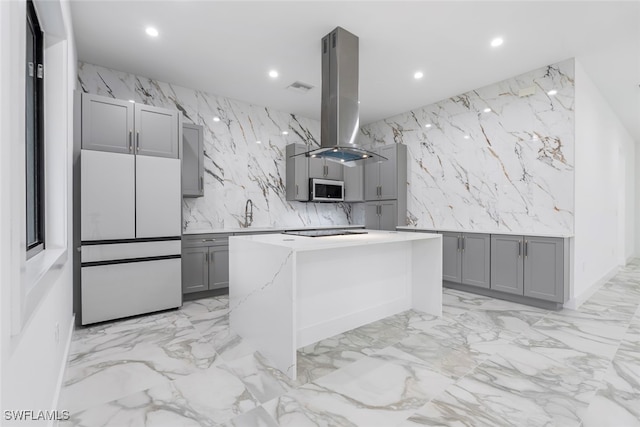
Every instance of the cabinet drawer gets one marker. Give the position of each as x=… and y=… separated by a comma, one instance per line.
x=120, y=290
x=209, y=239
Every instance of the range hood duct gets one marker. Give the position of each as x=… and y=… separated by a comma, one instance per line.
x=340, y=121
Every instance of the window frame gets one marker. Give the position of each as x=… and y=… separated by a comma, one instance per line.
x=35, y=95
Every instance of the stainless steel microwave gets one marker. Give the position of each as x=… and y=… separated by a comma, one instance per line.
x=326, y=190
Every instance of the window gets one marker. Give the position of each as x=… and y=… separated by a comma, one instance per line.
x=34, y=135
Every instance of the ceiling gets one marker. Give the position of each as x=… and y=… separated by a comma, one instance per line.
x=228, y=47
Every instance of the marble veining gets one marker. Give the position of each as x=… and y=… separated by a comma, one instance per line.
x=485, y=362
x=490, y=160
x=236, y=166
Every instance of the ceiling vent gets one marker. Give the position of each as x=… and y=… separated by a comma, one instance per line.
x=300, y=87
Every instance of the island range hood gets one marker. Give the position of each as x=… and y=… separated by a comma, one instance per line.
x=340, y=121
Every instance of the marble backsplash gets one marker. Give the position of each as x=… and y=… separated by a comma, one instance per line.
x=491, y=160
x=237, y=167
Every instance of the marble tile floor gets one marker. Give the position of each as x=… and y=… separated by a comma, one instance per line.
x=485, y=362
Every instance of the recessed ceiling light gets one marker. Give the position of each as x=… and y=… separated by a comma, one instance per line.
x=284, y=132
x=487, y=110
x=552, y=92
x=152, y=32
x=497, y=42
x=364, y=156
x=342, y=160
x=313, y=155
x=418, y=75
x=216, y=119
x=335, y=150
x=131, y=100
x=467, y=137
x=273, y=74
x=428, y=125
x=258, y=142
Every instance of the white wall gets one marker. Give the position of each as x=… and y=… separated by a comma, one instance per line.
x=604, y=190
x=36, y=295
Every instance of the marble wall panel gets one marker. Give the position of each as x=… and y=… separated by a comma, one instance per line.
x=491, y=160
x=237, y=168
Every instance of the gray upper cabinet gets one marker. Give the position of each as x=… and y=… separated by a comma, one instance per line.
x=546, y=268
x=156, y=131
x=192, y=160
x=297, y=173
x=466, y=258
x=107, y=124
x=451, y=257
x=387, y=180
x=507, y=264
x=325, y=169
x=124, y=127
x=354, y=184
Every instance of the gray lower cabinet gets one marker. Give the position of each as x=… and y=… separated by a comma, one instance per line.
x=466, y=258
x=192, y=160
x=381, y=215
x=535, y=267
x=205, y=262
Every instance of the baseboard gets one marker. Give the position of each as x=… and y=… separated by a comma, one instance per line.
x=63, y=369
x=575, y=302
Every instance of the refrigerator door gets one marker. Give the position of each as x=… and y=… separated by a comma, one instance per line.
x=108, y=195
x=158, y=197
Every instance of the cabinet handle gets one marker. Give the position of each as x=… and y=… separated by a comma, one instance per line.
x=201, y=183
x=458, y=244
x=208, y=240
x=463, y=243
x=526, y=248
x=519, y=248
x=137, y=142
x=206, y=257
x=296, y=189
x=130, y=140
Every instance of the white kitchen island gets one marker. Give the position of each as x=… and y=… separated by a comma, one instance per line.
x=286, y=292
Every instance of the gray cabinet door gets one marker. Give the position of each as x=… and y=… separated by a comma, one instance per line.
x=297, y=173
x=195, y=269
x=507, y=264
x=476, y=261
x=218, y=267
x=354, y=184
x=334, y=170
x=544, y=268
x=192, y=160
x=388, y=215
x=107, y=124
x=371, y=181
x=316, y=167
x=156, y=131
x=372, y=216
x=388, y=172
x=451, y=257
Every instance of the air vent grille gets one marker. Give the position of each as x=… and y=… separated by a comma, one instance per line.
x=300, y=87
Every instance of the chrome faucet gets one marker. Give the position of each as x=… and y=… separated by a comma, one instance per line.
x=248, y=213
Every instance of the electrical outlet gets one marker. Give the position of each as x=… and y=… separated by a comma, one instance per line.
x=56, y=333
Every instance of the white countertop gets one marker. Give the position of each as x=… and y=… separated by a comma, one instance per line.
x=507, y=233
x=304, y=243
x=250, y=230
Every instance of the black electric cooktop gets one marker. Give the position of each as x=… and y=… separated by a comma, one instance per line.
x=322, y=233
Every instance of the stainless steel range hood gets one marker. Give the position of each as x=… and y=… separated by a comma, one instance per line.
x=340, y=121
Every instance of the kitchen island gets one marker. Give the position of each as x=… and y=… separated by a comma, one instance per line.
x=289, y=291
